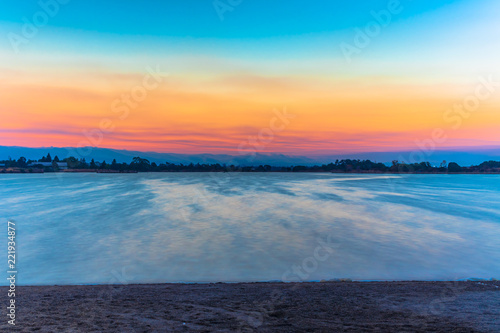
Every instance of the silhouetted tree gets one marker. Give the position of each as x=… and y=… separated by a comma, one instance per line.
x=72, y=162
x=454, y=167
x=140, y=164
x=345, y=166
x=21, y=162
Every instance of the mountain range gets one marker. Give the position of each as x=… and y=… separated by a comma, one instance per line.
x=464, y=157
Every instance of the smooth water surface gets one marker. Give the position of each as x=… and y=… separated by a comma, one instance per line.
x=202, y=227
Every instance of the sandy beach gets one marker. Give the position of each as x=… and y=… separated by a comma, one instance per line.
x=472, y=306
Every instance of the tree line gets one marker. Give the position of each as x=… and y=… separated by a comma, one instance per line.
x=139, y=164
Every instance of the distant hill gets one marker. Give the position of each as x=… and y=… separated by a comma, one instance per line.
x=100, y=154
x=465, y=157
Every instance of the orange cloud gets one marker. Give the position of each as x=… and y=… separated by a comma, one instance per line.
x=217, y=113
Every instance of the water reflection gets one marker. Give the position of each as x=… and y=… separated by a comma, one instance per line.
x=80, y=228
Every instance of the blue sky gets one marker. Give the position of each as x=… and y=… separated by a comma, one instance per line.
x=226, y=76
x=198, y=18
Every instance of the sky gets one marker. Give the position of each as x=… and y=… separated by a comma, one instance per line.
x=242, y=76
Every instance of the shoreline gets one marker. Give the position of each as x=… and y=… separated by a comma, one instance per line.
x=411, y=306
x=70, y=171
x=138, y=164
x=335, y=280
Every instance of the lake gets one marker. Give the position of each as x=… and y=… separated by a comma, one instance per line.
x=203, y=227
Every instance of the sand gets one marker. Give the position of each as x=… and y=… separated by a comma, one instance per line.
x=259, y=307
